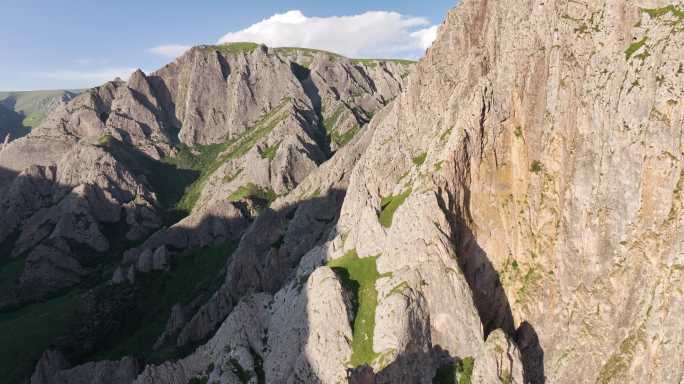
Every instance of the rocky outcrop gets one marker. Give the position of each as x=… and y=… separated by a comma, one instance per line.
x=59, y=215
x=21, y=111
x=253, y=102
x=498, y=362
x=500, y=150
x=270, y=144
x=531, y=129
x=299, y=335
x=488, y=225
x=53, y=368
x=285, y=238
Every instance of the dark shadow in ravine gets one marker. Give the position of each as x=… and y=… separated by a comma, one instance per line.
x=11, y=122
x=409, y=365
x=167, y=111
x=488, y=294
x=93, y=319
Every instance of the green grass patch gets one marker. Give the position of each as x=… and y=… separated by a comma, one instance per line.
x=26, y=333
x=209, y=158
x=310, y=52
x=420, y=159
x=457, y=372
x=399, y=289
x=202, y=159
x=529, y=281
x=194, y=274
x=446, y=134
x=330, y=123
x=270, y=152
x=634, y=47
x=242, y=374
x=253, y=192
x=10, y=271
x=401, y=61
x=466, y=370
x=343, y=139
x=169, y=180
x=234, y=48
x=33, y=106
x=536, y=166
x=518, y=132
x=619, y=362
x=389, y=205
x=231, y=177
x=372, y=63
x=675, y=10
x=330, y=126
x=33, y=120
x=358, y=275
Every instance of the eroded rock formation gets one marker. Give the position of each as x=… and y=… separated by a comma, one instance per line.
x=512, y=216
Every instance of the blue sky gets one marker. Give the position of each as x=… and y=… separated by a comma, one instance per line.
x=56, y=44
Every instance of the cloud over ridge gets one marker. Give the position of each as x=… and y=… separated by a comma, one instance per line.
x=169, y=50
x=372, y=34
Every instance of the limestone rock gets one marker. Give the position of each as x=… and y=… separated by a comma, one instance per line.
x=54, y=369
x=58, y=215
x=50, y=267
x=48, y=366
x=526, y=184
x=499, y=361
x=542, y=158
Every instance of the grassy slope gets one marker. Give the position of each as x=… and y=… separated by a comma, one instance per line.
x=234, y=48
x=208, y=159
x=359, y=275
x=33, y=105
x=389, y=205
x=29, y=331
x=310, y=52
x=196, y=273
x=178, y=182
x=168, y=180
x=31, y=334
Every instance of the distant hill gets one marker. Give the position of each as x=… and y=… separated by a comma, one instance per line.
x=22, y=111
x=11, y=122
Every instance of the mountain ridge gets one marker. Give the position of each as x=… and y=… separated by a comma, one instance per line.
x=506, y=210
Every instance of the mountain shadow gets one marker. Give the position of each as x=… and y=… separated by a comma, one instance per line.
x=93, y=319
x=488, y=294
x=12, y=124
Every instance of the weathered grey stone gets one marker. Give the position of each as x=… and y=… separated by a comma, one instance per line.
x=160, y=259
x=54, y=369
x=498, y=362
x=48, y=366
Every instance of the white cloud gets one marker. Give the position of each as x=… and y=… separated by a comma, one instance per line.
x=95, y=77
x=169, y=50
x=426, y=36
x=367, y=35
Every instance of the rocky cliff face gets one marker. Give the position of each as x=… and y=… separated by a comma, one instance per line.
x=512, y=216
x=118, y=185
x=545, y=161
